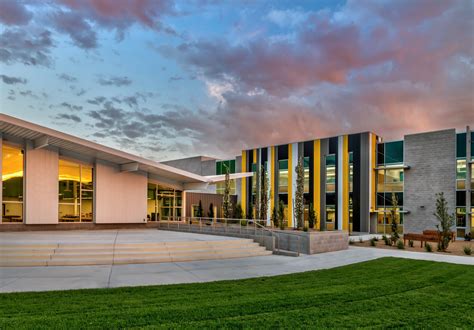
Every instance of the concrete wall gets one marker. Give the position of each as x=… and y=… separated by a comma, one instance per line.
x=197, y=165
x=41, y=185
x=431, y=157
x=119, y=196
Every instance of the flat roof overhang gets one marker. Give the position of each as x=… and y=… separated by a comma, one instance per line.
x=45, y=137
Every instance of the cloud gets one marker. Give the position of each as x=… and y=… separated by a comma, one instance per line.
x=114, y=81
x=76, y=26
x=67, y=78
x=288, y=17
x=71, y=107
x=12, y=80
x=119, y=15
x=29, y=47
x=13, y=12
x=70, y=117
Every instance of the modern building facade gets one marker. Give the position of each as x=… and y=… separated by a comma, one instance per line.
x=353, y=180
x=49, y=177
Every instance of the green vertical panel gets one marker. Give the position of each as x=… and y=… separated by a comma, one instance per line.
x=218, y=168
x=394, y=152
x=461, y=145
x=232, y=166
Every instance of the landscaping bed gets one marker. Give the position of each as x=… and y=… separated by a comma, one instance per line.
x=455, y=248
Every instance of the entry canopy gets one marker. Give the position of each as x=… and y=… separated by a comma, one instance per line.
x=43, y=137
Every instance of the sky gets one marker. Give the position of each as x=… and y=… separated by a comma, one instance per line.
x=171, y=79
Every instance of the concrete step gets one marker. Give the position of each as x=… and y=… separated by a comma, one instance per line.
x=17, y=255
x=128, y=260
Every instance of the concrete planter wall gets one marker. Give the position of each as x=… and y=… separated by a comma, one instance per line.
x=303, y=242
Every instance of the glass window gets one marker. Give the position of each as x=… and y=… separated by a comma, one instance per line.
x=460, y=198
x=163, y=203
x=12, y=187
x=283, y=176
x=331, y=173
x=461, y=169
x=306, y=174
x=394, y=152
x=461, y=145
x=76, y=192
x=380, y=154
x=461, y=217
x=351, y=171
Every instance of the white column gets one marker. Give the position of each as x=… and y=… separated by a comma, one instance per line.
x=294, y=163
x=340, y=185
x=41, y=185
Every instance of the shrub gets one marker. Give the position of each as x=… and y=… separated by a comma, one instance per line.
x=467, y=250
x=410, y=243
x=428, y=247
x=351, y=242
x=375, y=239
x=313, y=217
x=400, y=245
x=386, y=240
x=373, y=242
x=446, y=221
x=305, y=228
x=243, y=223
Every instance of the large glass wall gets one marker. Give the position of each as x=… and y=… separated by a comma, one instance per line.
x=389, y=186
x=461, y=214
x=330, y=191
x=76, y=192
x=12, y=185
x=163, y=203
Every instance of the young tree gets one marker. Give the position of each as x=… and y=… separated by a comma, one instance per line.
x=312, y=217
x=275, y=217
x=299, y=194
x=238, y=212
x=394, y=225
x=281, y=215
x=199, y=210
x=446, y=221
x=264, y=196
x=210, y=213
x=226, y=203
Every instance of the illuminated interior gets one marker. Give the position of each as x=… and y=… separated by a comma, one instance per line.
x=163, y=203
x=12, y=185
x=76, y=192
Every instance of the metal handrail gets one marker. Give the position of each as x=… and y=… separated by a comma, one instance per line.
x=229, y=222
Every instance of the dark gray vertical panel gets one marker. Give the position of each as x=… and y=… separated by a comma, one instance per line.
x=324, y=152
x=364, y=187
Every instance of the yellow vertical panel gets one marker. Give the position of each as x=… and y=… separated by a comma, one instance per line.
x=272, y=179
x=317, y=181
x=254, y=156
x=345, y=183
x=373, y=155
x=243, y=186
x=290, y=185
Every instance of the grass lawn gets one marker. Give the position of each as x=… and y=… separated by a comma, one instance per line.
x=387, y=292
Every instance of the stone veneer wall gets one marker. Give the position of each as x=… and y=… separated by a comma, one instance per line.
x=432, y=160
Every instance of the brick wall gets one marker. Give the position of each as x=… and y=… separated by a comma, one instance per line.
x=431, y=157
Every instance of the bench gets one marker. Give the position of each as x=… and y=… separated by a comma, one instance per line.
x=435, y=233
x=427, y=236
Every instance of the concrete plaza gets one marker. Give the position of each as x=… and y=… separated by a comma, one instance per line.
x=14, y=279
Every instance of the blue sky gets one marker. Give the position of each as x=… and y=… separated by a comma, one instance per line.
x=169, y=79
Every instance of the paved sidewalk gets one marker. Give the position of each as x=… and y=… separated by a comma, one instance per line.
x=81, y=277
